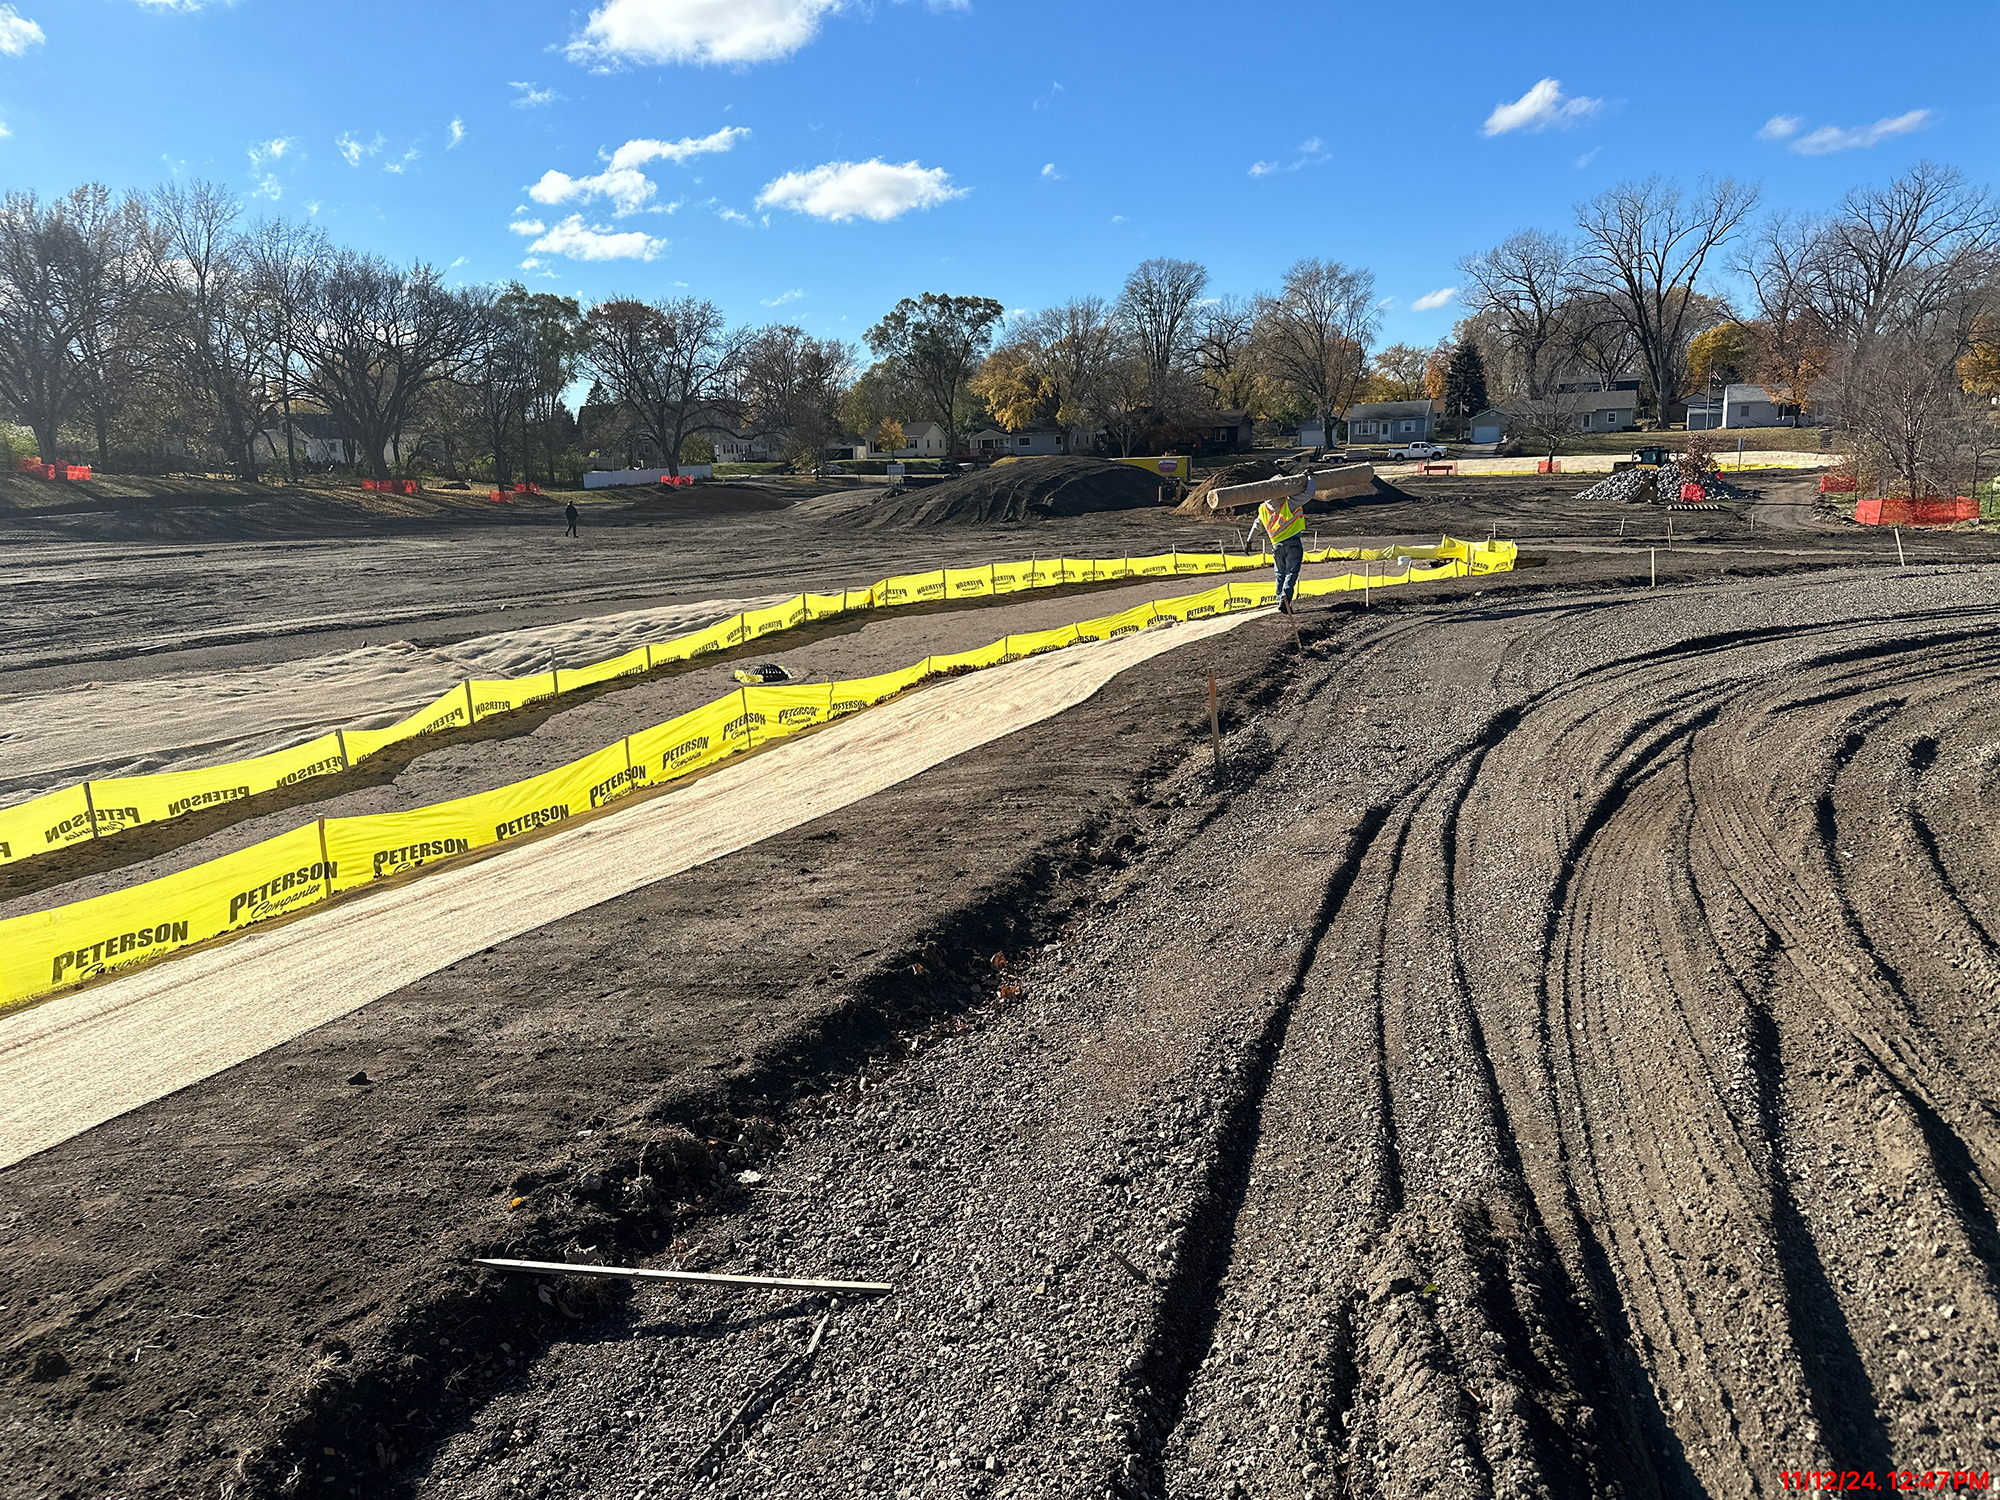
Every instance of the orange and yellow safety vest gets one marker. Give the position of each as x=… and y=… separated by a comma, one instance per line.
x=1282, y=521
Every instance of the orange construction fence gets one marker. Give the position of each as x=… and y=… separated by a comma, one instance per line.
x=1930, y=510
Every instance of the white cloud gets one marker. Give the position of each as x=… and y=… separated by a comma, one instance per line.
x=794, y=295
x=1312, y=153
x=1780, y=127
x=1542, y=106
x=1049, y=171
x=580, y=241
x=17, y=32
x=457, y=128
x=1118, y=218
x=402, y=161
x=1047, y=99
x=268, y=186
x=275, y=149
x=730, y=215
x=172, y=4
x=699, y=31
x=1433, y=300
x=1588, y=157
x=621, y=181
x=4, y=131
x=456, y=264
x=531, y=97
x=353, y=148
x=1830, y=138
x=844, y=190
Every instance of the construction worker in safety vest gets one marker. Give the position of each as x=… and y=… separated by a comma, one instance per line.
x=1284, y=522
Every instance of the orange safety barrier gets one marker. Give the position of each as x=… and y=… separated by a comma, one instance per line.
x=1548, y=466
x=1836, y=484
x=1692, y=493
x=76, y=471
x=1929, y=510
x=393, y=486
x=672, y=479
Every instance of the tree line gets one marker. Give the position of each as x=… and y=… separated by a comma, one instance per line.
x=165, y=327
x=1879, y=319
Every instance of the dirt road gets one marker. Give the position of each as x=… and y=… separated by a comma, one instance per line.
x=1557, y=1057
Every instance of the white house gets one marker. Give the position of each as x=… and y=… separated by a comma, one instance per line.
x=747, y=447
x=920, y=440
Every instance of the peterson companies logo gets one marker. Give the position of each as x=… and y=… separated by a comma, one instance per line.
x=541, y=817
x=604, y=791
x=282, y=892
x=81, y=963
x=804, y=713
x=220, y=795
x=306, y=773
x=685, y=751
x=410, y=856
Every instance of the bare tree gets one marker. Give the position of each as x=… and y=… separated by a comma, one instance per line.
x=1527, y=282
x=217, y=333
x=673, y=365
x=1907, y=420
x=793, y=384
x=1599, y=339
x=1122, y=395
x=373, y=338
x=1225, y=353
x=1645, y=246
x=1313, y=336
x=286, y=263
x=1158, y=308
x=68, y=284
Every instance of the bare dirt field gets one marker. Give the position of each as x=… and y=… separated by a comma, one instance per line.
x=1555, y=1056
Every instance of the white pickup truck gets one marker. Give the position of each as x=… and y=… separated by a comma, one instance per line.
x=1417, y=452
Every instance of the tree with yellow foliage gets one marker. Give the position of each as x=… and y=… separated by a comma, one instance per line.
x=889, y=437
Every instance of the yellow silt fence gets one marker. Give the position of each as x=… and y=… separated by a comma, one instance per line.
x=48, y=951
x=105, y=808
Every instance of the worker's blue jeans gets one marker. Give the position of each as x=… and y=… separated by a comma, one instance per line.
x=1287, y=557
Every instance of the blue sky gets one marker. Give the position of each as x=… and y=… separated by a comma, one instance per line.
x=1026, y=151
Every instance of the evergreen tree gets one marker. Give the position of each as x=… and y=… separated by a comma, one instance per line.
x=1464, y=384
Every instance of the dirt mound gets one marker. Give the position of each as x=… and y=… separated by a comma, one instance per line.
x=706, y=500
x=1031, y=490
x=1248, y=472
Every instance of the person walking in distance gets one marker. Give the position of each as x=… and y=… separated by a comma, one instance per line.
x=1284, y=522
x=569, y=515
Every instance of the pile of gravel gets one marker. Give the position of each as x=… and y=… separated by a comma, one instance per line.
x=1665, y=483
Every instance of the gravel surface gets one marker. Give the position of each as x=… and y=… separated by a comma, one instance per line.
x=1556, y=1057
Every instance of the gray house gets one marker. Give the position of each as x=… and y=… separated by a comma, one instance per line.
x=1751, y=406
x=1024, y=442
x=1703, y=413
x=1390, y=422
x=1489, y=426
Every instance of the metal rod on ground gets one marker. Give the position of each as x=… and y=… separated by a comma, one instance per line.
x=1670, y=533
x=1215, y=724
x=1901, y=561
x=711, y=1278
x=764, y=1385
x=1654, y=554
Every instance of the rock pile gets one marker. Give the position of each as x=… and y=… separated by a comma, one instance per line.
x=1665, y=483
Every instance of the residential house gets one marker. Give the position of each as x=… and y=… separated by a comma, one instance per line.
x=1752, y=406
x=1394, y=422
x=742, y=447
x=1489, y=426
x=1021, y=442
x=1601, y=410
x=1231, y=432
x=316, y=439
x=920, y=440
x=1703, y=413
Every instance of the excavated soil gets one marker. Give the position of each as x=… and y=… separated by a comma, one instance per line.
x=1556, y=1056
x=1031, y=489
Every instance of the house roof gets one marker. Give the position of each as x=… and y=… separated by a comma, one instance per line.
x=1745, y=393
x=1372, y=409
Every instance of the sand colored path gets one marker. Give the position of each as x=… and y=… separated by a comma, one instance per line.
x=87, y=1057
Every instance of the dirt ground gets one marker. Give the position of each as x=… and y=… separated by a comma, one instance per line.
x=1555, y=1056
